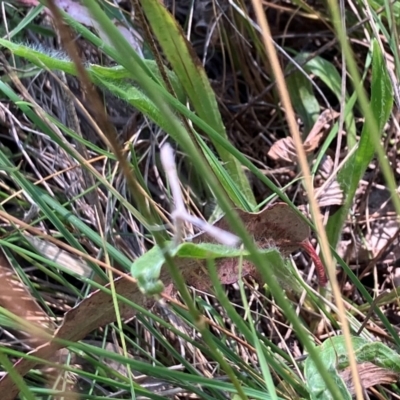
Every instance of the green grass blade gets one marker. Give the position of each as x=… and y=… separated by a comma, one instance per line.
x=353, y=171
x=221, y=141
x=32, y=14
x=195, y=81
x=152, y=89
x=115, y=80
x=303, y=99
x=326, y=71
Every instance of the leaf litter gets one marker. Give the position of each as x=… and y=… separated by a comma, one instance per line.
x=329, y=192
x=228, y=275
x=276, y=226
x=284, y=149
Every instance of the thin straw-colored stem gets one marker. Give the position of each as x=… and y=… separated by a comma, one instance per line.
x=323, y=240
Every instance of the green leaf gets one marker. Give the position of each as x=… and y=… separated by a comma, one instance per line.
x=376, y=353
x=352, y=172
x=119, y=73
x=114, y=79
x=329, y=352
x=335, y=356
x=328, y=73
x=147, y=268
x=123, y=58
x=377, y=5
x=303, y=98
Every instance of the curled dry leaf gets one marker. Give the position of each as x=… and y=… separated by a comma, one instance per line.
x=329, y=192
x=276, y=226
x=370, y=375
x=382, y=236
x=319, y=128
x=285, y=150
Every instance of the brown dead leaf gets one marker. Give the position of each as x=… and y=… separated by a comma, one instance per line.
x=276, y=225
x=329, y=192
x=370, y=375
x=285, y=150
x=319, y=128
x=380, y=242
x=91, y=313
x=383, y=225
x=16, y=298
